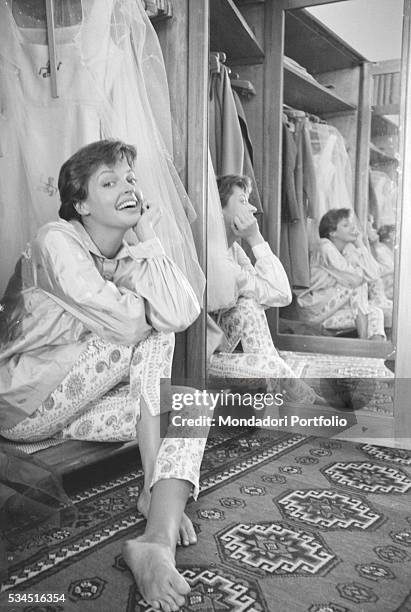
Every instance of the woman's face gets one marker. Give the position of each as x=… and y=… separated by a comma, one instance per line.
x=114, y=199
x=346, y=231
x=236, y=203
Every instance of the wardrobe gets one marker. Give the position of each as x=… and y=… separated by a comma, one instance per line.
x=255, y=35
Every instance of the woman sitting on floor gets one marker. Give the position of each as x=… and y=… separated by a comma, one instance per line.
x=87, y=310
x=341, y=270
x=253, y=289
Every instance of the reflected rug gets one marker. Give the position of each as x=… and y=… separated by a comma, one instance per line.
x=286, y=523
x=312, y=366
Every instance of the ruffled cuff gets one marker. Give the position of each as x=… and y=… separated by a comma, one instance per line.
x=262, y=250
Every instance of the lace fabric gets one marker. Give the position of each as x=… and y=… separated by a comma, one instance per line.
x=111, y=83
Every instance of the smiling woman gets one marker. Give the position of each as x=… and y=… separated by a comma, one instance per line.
x=98, y=187
x=88, y=331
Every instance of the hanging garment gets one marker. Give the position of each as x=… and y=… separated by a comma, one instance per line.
x=221, y=281
x=383, y=198
x=332, y=169
x=298, y=199
x=63, y=290
x=336, y=294
x=111, y=83
x=248, y=167
x=225, y=137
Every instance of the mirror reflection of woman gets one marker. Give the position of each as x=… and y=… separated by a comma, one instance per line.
x=87, y=331
x=341, y=270
x=248, y=290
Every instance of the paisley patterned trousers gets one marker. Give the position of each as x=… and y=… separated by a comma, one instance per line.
x=247, y=323
x=99, y=400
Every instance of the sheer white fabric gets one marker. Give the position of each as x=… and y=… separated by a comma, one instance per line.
x=384, y=202
x=333, y=175
x=221, y=284
x=111, y=83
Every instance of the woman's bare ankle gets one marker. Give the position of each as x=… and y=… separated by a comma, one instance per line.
x=143, y=502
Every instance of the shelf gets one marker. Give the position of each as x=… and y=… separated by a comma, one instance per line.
x=377, y=156
x=386, y=109
x=303, y=93
x=229, y=32
x=382, y=126
x=244, y=2
x=314, y=46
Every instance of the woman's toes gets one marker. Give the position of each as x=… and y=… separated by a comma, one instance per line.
x=187, y=532
x=180, y=601
x=183, y=537
x=180, y=586
x=172, y=605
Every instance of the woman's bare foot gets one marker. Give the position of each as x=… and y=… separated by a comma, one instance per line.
x=187, y=534
x=153, y=567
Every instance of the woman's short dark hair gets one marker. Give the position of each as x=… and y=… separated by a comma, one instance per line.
x=331, y=219
x=384, y=232
x=228, y=182
x=75, y=173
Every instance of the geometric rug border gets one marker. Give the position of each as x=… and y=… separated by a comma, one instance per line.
x=217, y=478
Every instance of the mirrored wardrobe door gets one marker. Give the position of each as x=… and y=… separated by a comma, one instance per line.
x=373, y=116
x=335, y=174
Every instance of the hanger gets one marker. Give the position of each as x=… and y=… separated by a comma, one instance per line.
x=244, y=88
x=295, y=113
x=216, y=59
x=51, y=39
x=216, y=63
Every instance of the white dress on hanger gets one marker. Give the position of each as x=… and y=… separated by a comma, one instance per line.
x=111, y=83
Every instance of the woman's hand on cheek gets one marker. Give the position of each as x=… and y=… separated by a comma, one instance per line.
x=150, y=216
x=245, y=226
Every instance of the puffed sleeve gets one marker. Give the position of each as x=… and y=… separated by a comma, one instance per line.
x=170, y=302
x=363, y=259
x=66, y=271
x=222, y=270
x=266, y=281
x=340, y=267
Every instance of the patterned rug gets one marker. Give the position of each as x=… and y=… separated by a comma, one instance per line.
x=286, y=523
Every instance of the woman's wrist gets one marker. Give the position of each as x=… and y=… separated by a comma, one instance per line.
x=145, y=233
x=255, y=239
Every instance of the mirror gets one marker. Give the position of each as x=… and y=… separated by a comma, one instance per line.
x=340, y=132
x=341, y=126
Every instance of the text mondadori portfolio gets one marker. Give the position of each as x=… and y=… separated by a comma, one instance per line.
x=179, y=420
